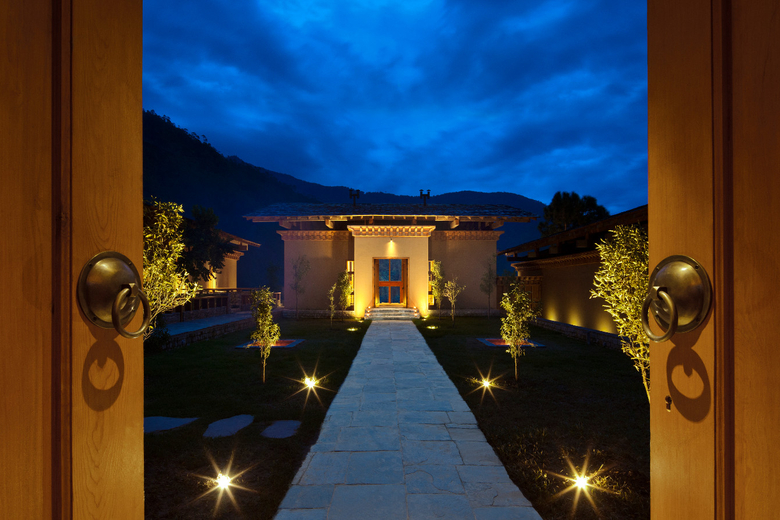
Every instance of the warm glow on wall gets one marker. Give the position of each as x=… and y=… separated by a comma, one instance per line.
x=412, y=248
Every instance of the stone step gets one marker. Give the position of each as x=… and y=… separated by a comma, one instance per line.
x=391, y=313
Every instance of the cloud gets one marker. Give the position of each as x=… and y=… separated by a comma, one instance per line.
x=531, y=97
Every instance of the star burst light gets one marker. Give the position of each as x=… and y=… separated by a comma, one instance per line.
x=223, y=483
x=310, y=384
x=486, y=383
x=581, y=483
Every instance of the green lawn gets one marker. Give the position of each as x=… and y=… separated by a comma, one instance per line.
x=212, y=380
x=572, y=401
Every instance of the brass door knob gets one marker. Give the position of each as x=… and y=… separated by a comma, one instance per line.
x=109, y=293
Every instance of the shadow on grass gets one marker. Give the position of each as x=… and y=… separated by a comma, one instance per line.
x=213, y=380
x=571, y=402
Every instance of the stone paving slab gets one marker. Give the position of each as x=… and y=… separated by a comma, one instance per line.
x=229, y=426
x=398, y=442
x=281, y=429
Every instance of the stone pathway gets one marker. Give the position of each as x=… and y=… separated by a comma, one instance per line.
x=399, y=442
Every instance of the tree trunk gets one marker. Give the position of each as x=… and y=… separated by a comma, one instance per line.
x=515, y=368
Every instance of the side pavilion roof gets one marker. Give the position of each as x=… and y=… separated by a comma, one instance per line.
x=341, y=212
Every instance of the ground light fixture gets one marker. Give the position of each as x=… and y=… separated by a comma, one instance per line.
x=486, y=383
x=582, y=482
x=223, y=483
x=310, y=384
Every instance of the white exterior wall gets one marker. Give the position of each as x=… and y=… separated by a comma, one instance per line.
x=463, y=254
x=327, y=252
x=227, y=277
x=415, y=249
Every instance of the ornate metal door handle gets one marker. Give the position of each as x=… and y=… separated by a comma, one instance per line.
x=679, y=298
x=109, y=293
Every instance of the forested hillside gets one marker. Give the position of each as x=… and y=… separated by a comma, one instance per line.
x=181, y=166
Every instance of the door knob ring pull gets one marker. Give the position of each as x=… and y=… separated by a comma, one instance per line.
x=659, y=293
x=679, y=298
x=109, y=293
x=130, y=290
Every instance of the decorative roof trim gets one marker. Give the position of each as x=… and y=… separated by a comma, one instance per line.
x=391, y=231
x=467, y=235
x=588, y=257
x=235, y=255
x=309, y=234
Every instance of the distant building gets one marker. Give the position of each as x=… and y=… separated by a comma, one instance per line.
x=219, y=294
x=558, y=271
x=227, y=277
x=387, y=249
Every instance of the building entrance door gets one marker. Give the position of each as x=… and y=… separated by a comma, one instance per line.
x=390, y=275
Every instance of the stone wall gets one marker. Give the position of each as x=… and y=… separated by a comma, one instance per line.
x=590, y=336
x=186, y=338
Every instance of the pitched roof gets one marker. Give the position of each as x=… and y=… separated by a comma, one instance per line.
x=305, y=211
x=631, y=216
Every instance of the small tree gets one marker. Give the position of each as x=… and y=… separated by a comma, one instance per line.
x=344, y=290
x=488, y=282
x=520, y=310
x=437, y=284
x=332, y=301
x=622, y=282
x=451, y=292
x=166, y=284
x=300, y=267
x=266, y=332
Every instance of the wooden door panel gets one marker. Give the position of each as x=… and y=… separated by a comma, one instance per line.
x=70, y=95
x=714, y=154
x=681, y=219
x=756, y=157
x=107, y=370
x=26, y=255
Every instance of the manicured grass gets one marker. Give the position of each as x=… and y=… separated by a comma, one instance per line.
x=572, y=401
x=212, y=380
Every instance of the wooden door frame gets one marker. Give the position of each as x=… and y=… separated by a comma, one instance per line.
x=404, y=281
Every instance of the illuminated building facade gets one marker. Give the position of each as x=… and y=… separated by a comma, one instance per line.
x=558, y=272
x=387, y=249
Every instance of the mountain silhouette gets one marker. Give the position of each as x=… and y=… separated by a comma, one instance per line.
x=183, y=167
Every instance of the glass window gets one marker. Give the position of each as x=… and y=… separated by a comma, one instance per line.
x=396, y=270
x=384, y=294
x=384, y=270
x=395, y=295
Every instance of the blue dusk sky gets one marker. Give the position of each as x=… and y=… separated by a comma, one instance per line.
x=525, y=96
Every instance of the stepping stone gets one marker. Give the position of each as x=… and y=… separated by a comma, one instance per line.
x=226, y=427
x=159, y=423
x=281, y=429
